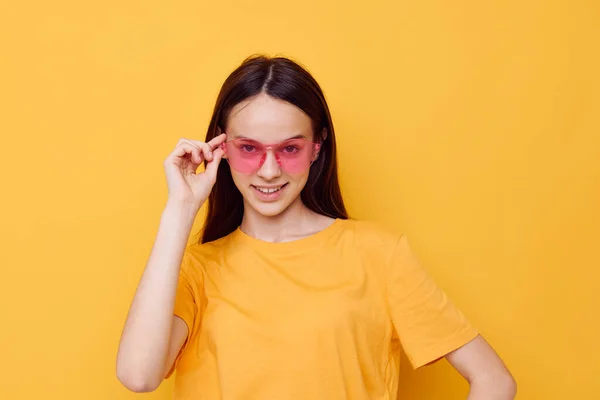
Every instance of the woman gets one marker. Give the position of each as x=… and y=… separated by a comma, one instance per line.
x=285, y=298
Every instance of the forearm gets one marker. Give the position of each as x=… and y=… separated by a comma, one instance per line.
x=146, y=335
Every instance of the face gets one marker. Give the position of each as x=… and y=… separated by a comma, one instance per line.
x=269, y=150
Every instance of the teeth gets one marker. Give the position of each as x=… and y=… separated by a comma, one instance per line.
x=267, y=190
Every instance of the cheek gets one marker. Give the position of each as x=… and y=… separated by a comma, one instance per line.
x=298, y=181
x=242, y=181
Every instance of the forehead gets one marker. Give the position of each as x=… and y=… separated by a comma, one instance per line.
x=268, y=120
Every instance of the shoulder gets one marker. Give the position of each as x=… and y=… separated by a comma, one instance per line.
x=372, y=239
x=202, y=250
x=197, y=255
x=372, y=234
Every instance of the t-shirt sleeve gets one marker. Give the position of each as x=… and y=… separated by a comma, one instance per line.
x=427, y=323
x=186, y=303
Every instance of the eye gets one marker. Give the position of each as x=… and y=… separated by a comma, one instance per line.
x=247, y=148
x=292, y=149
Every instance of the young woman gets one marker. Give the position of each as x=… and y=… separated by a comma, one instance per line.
x=285, y=297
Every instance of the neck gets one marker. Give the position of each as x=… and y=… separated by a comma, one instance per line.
x=294, y=222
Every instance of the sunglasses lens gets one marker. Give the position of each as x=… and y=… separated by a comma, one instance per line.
x=295, y=155
x=244, y=155
x=247, y=156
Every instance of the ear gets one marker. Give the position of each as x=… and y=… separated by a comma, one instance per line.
x=324, y=134
x=223, y=147
x=322, y=138
x=317, y=151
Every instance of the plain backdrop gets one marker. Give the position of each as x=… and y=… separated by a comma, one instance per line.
x=472, y=126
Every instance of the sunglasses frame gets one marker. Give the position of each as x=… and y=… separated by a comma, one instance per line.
x=269, y=147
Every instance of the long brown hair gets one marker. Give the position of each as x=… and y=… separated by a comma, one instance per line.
x=282, y=78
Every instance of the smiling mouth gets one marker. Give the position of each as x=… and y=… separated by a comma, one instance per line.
x=269, y=190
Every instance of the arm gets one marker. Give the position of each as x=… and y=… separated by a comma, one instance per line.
x=152, y=336
x=488, y=377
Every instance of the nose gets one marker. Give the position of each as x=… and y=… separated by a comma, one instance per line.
x=270, y=169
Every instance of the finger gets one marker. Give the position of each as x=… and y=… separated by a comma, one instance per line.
x=217, y=140
x=197, y=157
x=207, y=151
x=213, y=166
x=204, y=147
x=212, y=144
x=198, y=153
x=184, y=148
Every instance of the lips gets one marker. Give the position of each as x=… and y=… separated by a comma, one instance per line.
x=268, y=190
x=268, y=193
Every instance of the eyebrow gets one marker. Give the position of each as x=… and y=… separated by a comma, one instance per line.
x=300, y=136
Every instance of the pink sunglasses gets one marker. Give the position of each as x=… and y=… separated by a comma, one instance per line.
x=293, y=156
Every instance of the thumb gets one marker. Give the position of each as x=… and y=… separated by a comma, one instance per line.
x=213, y=165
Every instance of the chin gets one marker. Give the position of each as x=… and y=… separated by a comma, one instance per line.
x=270, y=208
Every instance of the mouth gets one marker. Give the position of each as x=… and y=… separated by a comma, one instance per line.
x=268, y=192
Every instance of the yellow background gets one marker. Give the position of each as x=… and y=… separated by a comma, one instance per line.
x=471, y=125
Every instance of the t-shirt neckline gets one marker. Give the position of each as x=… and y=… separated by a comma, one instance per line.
x=305, y=243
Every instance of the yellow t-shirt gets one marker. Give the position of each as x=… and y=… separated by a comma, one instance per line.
x=321, y=317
